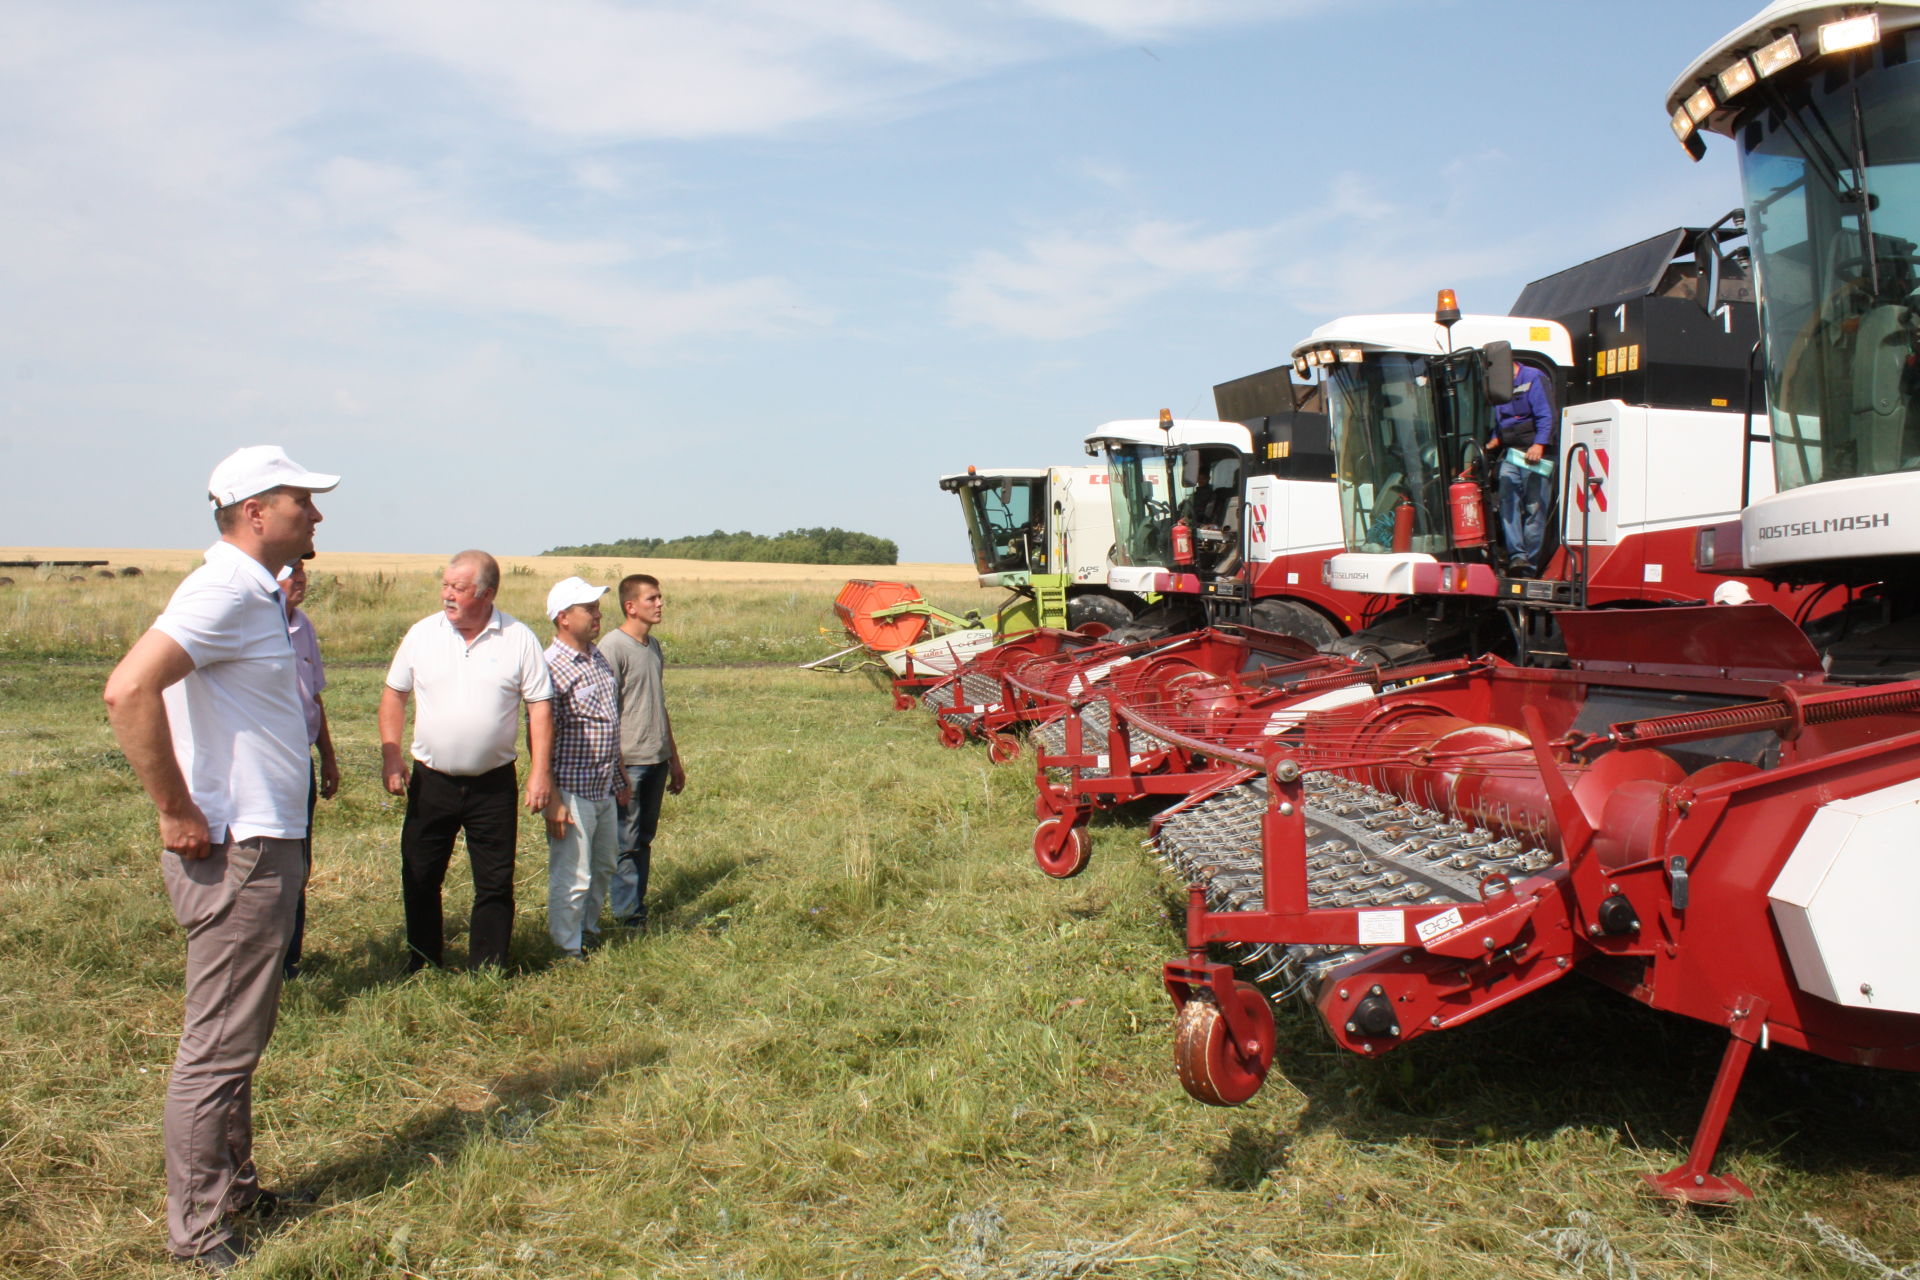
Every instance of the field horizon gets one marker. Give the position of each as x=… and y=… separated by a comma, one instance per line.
x=180, y=560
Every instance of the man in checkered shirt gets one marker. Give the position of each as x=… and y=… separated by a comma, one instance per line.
x=589, y=783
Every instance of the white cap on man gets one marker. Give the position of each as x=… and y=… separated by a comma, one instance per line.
x=1731, y=592
x=569, y=592
x=249, y=472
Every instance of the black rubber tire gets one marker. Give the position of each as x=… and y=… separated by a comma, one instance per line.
x=1102, y=611
x=1291, y=618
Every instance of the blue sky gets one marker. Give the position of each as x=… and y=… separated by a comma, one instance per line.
x=529, y=274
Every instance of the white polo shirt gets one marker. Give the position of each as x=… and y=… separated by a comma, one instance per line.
x=238, y=729
x=466, y=715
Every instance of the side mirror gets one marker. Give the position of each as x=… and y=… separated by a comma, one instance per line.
x=1190, y=472
x=1710, y=263
x=1006, y=492
x=1499, y=366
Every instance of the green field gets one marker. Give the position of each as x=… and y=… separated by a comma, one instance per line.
x=866, y=1037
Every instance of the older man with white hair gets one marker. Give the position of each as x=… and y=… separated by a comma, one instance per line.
x=207, y=709
x=472, y=667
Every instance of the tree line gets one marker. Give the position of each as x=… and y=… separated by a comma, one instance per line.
x=795, y=546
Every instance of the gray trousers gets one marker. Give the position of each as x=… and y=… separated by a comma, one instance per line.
x=237, y=906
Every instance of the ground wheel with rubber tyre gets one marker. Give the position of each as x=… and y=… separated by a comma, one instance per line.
x=1061, y=848
x=1096, y=615
x=1214, y=1068
x=1004, y=748
x=1291, y=618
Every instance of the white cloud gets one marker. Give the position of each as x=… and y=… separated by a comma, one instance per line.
x=639, y=69
x=1150, y=19
x=494, y=269
x=601, y=69
x=1068, y=286
x=1354, y=250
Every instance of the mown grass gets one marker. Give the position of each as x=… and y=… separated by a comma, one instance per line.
x=866, y=1038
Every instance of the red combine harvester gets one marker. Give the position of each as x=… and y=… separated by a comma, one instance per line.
x=1710, y=810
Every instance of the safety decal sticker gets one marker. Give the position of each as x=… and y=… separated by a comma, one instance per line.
x=1433, y=926
x=1382, y=926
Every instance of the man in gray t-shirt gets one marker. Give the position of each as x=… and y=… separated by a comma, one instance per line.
x=646, y=740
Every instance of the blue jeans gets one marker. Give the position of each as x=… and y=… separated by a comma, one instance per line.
x=1526, y=501
x=639, y=819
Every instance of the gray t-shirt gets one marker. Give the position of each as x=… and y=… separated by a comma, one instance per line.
x=646, y=735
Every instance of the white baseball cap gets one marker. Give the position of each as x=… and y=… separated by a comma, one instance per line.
x=244, y=473
x=1731, y=592
x=569, y=592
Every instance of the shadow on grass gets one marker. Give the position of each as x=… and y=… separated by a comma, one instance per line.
x=1577, y=1055
x=685, y=897
x=511, y=1110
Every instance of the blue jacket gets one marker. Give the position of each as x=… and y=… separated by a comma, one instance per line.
x=1528, y=418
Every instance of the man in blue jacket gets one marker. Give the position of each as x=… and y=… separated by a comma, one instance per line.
x=1522, y=449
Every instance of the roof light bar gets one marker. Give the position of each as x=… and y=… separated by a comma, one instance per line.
x=1850, y=33
x=1736, y=79
x=1699, y=104
x=1302, y=365
x=1778, y=55
x=1682, y=125
x=1351, y=355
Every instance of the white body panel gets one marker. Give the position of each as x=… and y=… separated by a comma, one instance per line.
x=1659, y=469
x=1832, y=520
x=1844, y=901
x=1386, y=573
x=1079, y=523
x=1286, y=516
x=1134, y=577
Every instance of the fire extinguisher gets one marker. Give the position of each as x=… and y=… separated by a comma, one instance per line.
x=1469, y=512
x=1403, y=524
x=1182, y=542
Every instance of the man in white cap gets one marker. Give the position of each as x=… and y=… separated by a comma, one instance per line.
x=206, y=706
x=472, y=667
x=589, y=782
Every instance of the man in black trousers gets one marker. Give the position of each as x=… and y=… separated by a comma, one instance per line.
x=471, y=667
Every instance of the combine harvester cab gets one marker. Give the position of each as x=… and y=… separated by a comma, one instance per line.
x=1044, y=535
x=1819, y=101
x=1228, y=522
x=1692, y=815
x=1651, y=447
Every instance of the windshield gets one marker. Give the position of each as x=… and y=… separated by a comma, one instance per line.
x=1393, y=438
x=1142, y=518
x=1832, y=186
x=1006, y=521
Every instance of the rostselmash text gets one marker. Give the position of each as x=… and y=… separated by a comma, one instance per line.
x=1838, y=524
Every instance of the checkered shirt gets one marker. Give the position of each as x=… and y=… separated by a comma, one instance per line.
x=586, y=723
